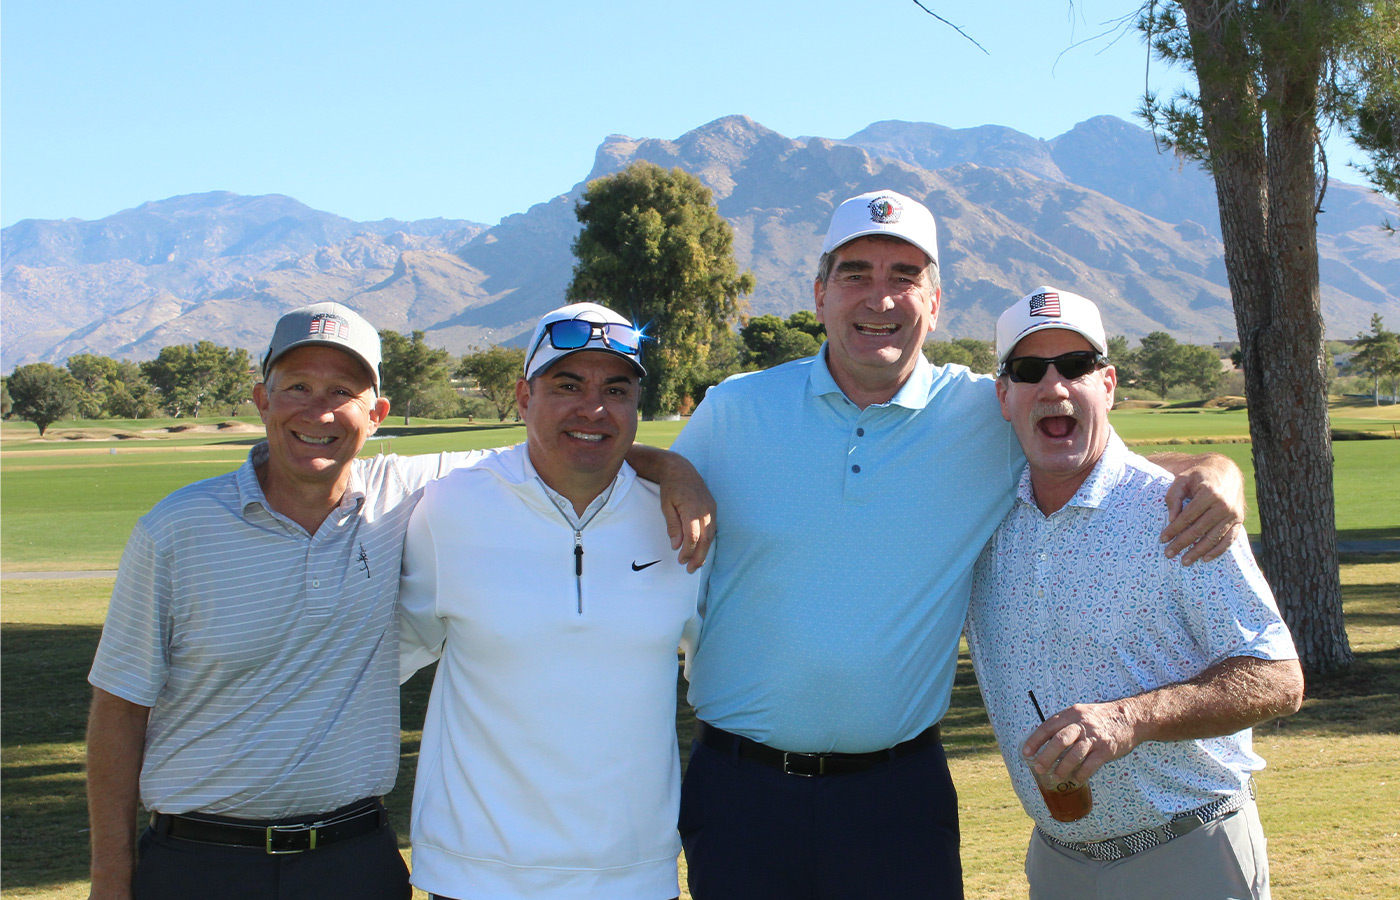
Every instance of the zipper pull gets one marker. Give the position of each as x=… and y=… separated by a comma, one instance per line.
x=578, y=568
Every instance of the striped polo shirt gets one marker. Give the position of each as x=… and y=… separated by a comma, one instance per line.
x=268, y=656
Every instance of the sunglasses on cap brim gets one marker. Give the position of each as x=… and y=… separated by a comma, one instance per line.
x=575, y=334
x=1072, y=365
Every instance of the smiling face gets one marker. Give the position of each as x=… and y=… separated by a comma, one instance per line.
x=318, y=405
x=878, y=304
x=580, y=420
x=1062, y=425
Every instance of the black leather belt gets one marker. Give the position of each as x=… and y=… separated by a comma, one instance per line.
x=359, y=818
x=808, y=765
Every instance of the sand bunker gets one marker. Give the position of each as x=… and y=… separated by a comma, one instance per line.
x=221, y=427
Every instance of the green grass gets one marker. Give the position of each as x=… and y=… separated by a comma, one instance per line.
x=72, y=508
x=1365, y=480
x=68, y=507
x=1323, y=844
x=69, y=503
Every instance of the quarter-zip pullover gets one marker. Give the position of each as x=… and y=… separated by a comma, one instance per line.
x=548, y=766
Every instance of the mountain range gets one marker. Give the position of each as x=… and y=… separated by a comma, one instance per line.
x=1097, y=210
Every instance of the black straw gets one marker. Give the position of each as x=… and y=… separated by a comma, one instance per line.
x=1031, y=694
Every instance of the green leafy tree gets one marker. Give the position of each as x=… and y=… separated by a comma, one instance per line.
x=414, y=374
x=770, y=342
x=42, y=393
x=6, y=401
x=1364, y=88
x=495, y=371
x=130, y=396
x=728, y=356
x=1159, y=362
x=1377, y=354
x=979, y=356
x=806, y=320
x=111, y=388
x=653, y=247
x=1199, y=367
x=1123, y=360
x=90, y=376
x=440, y=401
x=189, y=377
x=1267, y=72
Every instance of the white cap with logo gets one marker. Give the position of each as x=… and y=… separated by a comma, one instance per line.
x=583, y=326
x=883, y=212
x=1048, y=307
x=327, y=325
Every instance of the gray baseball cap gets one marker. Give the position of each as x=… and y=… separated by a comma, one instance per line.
x=326, y=325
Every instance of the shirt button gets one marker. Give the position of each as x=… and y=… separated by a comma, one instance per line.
x=855, y=469
x=1040, y=592
x=860, y=432
x=316, y=583
x=1040, y=556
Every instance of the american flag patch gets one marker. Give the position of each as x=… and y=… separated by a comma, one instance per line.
x=1045, y=304
x=333, y=325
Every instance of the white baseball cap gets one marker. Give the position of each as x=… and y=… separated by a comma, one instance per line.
x=1048, y=307
x=883, y=212
x=583, y=326
x=327, y=325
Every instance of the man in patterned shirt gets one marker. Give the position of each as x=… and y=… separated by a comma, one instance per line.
x=1154, y=672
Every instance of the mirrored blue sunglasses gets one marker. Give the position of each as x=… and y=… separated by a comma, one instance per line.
x=574, y=334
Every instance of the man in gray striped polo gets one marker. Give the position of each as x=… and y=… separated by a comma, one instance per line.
x=245, y=688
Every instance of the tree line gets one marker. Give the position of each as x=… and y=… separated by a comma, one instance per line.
x=430, y=382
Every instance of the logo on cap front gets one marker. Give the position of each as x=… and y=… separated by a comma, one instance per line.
x=1045, y=304
x=330, y=325
x=885, y=210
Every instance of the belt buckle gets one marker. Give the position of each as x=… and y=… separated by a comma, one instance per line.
x=289, y=829
x=789, y=756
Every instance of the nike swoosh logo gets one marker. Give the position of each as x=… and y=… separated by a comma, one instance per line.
x=637, y=568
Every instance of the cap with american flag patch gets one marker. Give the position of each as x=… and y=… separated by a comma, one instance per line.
x=1048, y=307
x=327, y=325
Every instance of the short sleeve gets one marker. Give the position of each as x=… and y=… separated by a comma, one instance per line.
x=133, y=658
x=1233, y=607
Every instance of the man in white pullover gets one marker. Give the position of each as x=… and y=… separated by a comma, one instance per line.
x=544, y=580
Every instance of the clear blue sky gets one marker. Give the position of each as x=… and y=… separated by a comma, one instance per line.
x=476, y=110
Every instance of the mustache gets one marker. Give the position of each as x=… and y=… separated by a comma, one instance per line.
x=1048, y=409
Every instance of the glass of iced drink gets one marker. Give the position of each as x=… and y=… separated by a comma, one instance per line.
x=1067, y=799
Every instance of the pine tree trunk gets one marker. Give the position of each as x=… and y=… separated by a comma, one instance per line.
x=1268, y=224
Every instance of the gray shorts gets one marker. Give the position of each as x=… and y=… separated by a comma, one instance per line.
x=1222, y=860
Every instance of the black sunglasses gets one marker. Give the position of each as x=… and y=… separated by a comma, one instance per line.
x=1072, y=365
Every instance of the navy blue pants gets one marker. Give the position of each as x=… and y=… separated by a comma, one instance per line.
x=368, y=867
x=751, y=831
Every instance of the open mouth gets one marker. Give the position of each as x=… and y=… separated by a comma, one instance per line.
x=585, y=436
x=1057, y=427
x=308, y=439
x=876, y=330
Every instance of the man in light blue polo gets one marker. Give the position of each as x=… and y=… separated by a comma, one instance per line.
x=857, y=488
